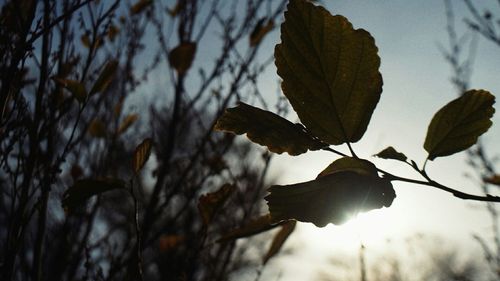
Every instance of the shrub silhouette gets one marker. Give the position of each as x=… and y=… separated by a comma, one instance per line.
x=100, y=181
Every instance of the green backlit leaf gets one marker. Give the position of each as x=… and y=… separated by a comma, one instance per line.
x=360, y=166
x=330, y=72
x=391, y=153
x=457, y=125
x=268, y=129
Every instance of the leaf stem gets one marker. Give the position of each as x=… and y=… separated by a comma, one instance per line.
x=352, y=150
x=425, y=164
x=334, y=151
x=428, y=182
x=432, y=183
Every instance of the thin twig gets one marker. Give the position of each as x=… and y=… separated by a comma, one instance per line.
x=138, y=247
x=429, y=182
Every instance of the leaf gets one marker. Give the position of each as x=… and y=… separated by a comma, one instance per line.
x=76, y=172
x=127, y=122
x=141, y=154
x=97, y=129
x=280, y=239
x=117, y=109
x=495, y=179
x=169, y=242
x=76, y=88
x=83, y=189
x=337, y=195
x=210, y=203
x=360, y=166
x=182, y=56
x=268, y=129
x=105, y=77
x=330, y=72
x=253, y=227
x=391, y=153
x=260, y=30
x=457, y=125
x=139, y=6
x=179, y=6
x=113, y=31
x=85, y=40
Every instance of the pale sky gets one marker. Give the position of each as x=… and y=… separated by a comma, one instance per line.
x=416, y=84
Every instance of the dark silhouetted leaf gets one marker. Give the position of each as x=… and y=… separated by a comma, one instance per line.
x=76, y=172
x=333, y=197
x=210, y=203
x=127, y=122
x=169, y=242
x=83, y=189
x=391, y=153
x=330, y=72
x=260, y=30
x=253, y=227
x=495, y=179
x=113, y=32
x=361, y=166
x=85, y=40
x=267, y=128
x=141, y=154
x=139, y=6
x=457, y=125
x=105, y=77
x=279, y=239
x=182, y=56
x=97, y=129
x=76, y=88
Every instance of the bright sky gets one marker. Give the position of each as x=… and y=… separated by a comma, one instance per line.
x=416, y=85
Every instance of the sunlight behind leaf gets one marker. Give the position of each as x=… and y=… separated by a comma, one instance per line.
x=334, y=197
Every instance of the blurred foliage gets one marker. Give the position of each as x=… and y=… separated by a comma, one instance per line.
x=107, y=110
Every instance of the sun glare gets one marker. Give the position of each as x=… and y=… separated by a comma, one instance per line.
x=373, y=229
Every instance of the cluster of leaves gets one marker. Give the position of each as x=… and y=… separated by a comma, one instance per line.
x=331, y=77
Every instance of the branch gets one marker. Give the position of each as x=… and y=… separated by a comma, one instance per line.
x=429, y=182
x=138, y=247
x=59, y=19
